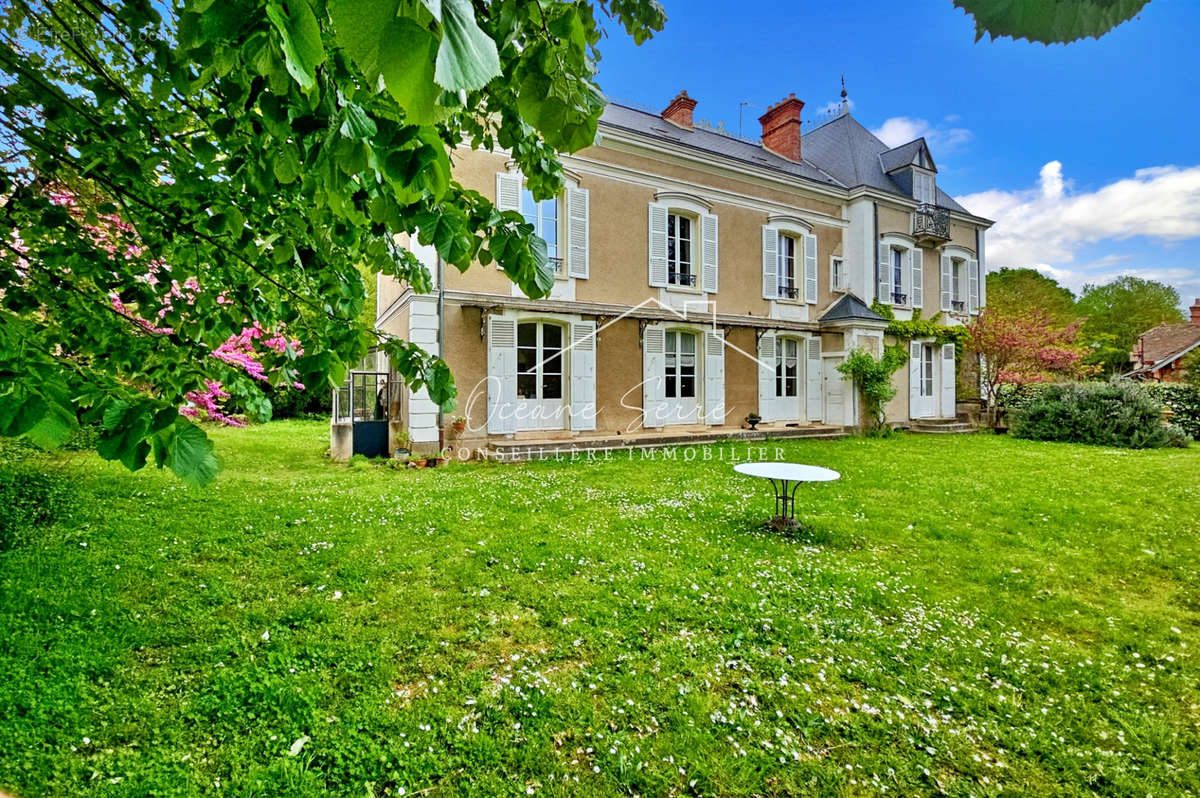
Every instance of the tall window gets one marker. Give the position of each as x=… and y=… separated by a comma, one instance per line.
x=923, y=190
x=898, y=296
x=926, y=370
x=679, y=250
x=785, y=272
x=681, y=365
x=787, y=367
x=539, y=361
x=837, y=274
x=544, y=218
x=956, y=297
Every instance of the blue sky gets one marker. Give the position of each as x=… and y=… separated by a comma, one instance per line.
x=1087, y=155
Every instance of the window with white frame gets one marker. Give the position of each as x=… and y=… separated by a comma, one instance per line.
x=539, y=360
x=837, y=274
x=679, y=250
x=680, y=382
x=958, y=300
x=785, y=273
x=787, y=367
x=923, y=188
x=898, y=295
x=544, y=216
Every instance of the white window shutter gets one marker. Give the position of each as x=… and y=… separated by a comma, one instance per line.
x=577, y=232
x=508, y=191
x=885, y=274
x=654, y=364
x=947, y=284
x=502, y=375
x=582, y=360
x=810, y=268
x=766, y=376
x=658, y=244
x=770, y=263
x=714, y=377
x=709, y=252
x=972, y=303
x=947, y=392
x=914, y=378
x=814, y=401
x=918, y=277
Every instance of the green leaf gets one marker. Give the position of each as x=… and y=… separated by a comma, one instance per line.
x=406, y=59
x=359, y=25
x=301, y=35
x=467, y=58
x=1049, y=21
x=357, y=124
x=55, y=426
x=189, y=453
x=287, y=164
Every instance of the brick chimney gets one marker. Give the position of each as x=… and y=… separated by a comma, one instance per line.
x=781, y=128
x=679, y=112
x=1195, y=309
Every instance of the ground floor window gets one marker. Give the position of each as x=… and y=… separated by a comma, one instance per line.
x=539, y=360
x=787, y=368
x=680, y=365
x=927, y=370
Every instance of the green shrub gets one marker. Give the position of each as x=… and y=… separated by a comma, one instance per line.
x=29, y=497
x=1177, y=436
x=1184, y=401
x=1118, y=413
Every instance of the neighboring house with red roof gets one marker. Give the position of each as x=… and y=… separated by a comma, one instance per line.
x=1160, y=351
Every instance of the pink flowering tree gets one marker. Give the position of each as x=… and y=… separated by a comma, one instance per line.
x=1020, y=349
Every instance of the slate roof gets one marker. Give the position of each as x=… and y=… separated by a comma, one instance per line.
x=841, y=153
x=850, y=308
x=852, y=154
x=902, y=155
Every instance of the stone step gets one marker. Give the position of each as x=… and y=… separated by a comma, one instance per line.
x=508, y=451
x=941, y=427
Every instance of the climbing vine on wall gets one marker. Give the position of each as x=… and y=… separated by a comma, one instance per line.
x=918, y=327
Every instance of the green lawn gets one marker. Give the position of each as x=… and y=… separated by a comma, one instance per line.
x=969, y=615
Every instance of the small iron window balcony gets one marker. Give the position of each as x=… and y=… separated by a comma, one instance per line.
x=557, y=265
x=899, y=299
x=788, y=291
x=681, y=278
x=931, y=223
x=957, y=305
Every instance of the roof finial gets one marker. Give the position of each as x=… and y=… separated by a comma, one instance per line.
x=845, y=101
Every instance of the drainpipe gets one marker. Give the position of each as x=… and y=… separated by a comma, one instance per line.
x=441, y=315
x=873, y=254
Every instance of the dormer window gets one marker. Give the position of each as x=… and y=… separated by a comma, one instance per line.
x=924, y=190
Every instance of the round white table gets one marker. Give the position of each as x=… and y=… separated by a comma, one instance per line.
x=783, y=475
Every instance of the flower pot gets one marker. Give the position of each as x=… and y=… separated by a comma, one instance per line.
x=402, y=454
x=459, y=427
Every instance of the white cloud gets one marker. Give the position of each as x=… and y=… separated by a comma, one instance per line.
x=1047, y=225
x=903, y=129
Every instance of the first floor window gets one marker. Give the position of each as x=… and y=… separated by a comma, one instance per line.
x=785, y=272
x=787, y=365
x=539, y=360
x=956, y=282
x=837, y=274
x=898, y=296
x=544, y=218
x=681, y=365
x=679, y=250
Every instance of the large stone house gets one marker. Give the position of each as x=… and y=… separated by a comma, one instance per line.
x=1160, y=352
x=701, y=277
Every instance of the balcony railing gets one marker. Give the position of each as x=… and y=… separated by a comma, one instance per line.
x=681, y=278
x=931, y=223
x=788, y=291
x=557, y=265
x=957, y=305
x=899, y=299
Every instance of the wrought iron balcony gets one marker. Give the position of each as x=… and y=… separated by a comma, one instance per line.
x=931, y=224
x=787, y=291
x=681, y=278
x=557, y=265
x=899, y=298
x=957, y=305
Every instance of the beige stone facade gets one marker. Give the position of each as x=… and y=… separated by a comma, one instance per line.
x=696, y=286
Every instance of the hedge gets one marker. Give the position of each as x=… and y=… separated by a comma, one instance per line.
x=1117, y=413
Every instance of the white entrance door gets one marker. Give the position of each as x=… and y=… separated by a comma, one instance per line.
x=540, y=404
x=926, y=399
x=680, y=405
x=787, y=380
x=834, y=388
